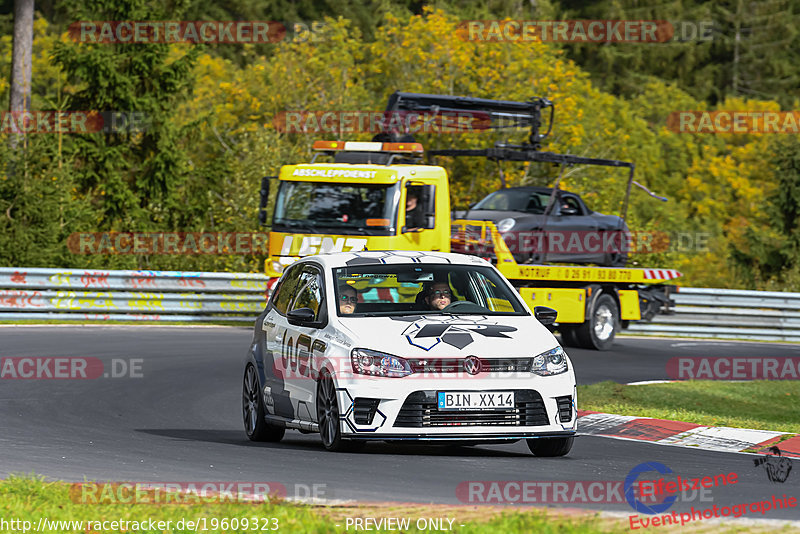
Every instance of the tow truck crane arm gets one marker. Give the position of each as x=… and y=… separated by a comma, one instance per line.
x=504, y=114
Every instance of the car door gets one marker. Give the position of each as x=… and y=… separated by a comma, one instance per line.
x=572, y=232
x=277, y=400
x=299, y=342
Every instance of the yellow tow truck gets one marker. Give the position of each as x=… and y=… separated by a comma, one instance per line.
x=359, y=201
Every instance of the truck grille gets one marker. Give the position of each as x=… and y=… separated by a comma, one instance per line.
x=420, y=411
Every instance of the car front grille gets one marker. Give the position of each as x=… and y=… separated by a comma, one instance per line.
x=420, y=411
x=456, y=365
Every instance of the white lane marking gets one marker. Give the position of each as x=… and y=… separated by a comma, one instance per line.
x=597, y=423
x=721, y=438
x=648, y=382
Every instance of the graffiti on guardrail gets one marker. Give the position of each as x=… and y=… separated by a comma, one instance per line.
x=20, y=299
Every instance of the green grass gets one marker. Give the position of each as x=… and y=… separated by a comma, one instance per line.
x=759, y=404
x=31, y=498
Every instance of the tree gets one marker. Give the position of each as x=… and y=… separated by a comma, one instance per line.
x=20, y=98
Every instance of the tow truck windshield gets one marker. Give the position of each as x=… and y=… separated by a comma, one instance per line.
x=320, y=207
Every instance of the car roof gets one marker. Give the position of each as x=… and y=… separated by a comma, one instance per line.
x=530, y=189
x=394, y=257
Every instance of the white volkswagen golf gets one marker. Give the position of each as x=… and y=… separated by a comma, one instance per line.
x=406, y=346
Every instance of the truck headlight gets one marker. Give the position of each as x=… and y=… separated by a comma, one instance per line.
x=372, y=362
x=277, y=267
x=551, y=362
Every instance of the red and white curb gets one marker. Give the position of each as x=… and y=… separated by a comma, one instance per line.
x=665, y=432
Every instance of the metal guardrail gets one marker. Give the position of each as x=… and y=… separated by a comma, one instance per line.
x=94, y=295
x=728, y=313
x=59, y=294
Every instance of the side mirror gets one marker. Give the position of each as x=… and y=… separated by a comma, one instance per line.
x=264, y=199
x=546, y=316
x=569, y=211
x=472, y=205
x=301, y=316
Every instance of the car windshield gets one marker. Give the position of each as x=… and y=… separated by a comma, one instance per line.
x=414, y=289
x=338, y=207
x=515, y=200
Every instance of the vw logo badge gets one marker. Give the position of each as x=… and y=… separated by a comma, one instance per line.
x=472, y=365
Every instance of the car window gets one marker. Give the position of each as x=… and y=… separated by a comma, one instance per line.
x=572, y=202
x=402, y=289
x=309, y=290
x=286, y=289
x=488, y=294
x=514, y=200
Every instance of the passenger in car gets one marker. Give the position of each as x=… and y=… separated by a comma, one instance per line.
x=348, y=299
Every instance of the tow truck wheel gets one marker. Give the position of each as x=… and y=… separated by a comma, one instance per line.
x=602, y=324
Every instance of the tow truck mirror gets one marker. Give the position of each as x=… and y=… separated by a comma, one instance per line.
x=262, y=204
x=546, y=316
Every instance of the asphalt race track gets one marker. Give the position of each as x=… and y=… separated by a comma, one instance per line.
x=179, y=419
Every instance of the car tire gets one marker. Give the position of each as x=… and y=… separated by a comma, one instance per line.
x=253, y=411
x=328, y=417
x=550, y=447
x=569, y=336
x=601, y=326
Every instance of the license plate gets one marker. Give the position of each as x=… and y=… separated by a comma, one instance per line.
x=475, y=400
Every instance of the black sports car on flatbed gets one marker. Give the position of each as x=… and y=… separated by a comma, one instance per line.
x=540, y=226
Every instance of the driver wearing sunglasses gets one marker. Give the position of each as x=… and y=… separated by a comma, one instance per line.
x=348, y=298
x=439, y=296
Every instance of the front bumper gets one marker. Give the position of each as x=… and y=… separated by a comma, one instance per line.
x=405, y=408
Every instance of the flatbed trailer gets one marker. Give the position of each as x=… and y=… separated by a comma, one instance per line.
x=584, y=318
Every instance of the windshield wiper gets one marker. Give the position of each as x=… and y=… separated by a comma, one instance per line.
x=303, y=225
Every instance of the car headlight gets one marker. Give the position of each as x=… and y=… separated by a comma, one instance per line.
x=372, y=362
x=277, y=267
x=551, y=362
x=505, y=225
